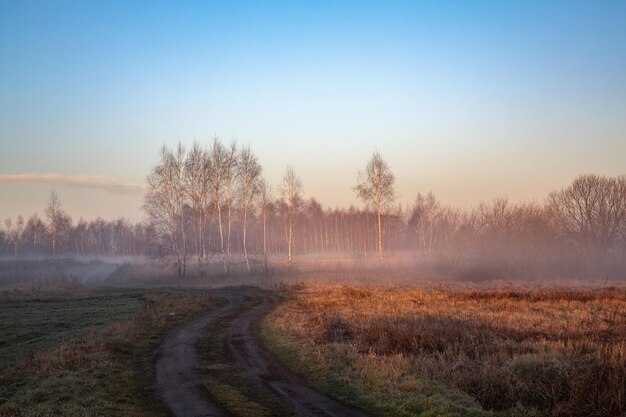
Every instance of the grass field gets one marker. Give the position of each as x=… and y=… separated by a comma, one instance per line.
x=458, y=350
x=99, y=369
x=28, y=326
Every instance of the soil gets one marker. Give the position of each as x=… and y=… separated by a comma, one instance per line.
x=178, y=381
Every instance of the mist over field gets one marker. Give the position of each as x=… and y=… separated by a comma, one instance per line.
x=312, y=209
x=209, y=211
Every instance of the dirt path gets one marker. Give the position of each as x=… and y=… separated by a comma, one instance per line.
x=95, y=279
x=178, y=381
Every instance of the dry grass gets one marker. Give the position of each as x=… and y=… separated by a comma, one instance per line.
x=515, y=350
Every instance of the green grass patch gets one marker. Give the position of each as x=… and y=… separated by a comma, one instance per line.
x=33, y=325
x=107, y=371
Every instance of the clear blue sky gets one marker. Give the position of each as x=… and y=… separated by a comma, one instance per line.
x=468, y=99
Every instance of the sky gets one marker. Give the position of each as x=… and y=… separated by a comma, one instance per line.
x=468, y=99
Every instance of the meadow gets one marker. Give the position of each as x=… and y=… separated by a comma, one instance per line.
x=71, y=351
x=28, y=326
x=458, y=349
x=374, y=337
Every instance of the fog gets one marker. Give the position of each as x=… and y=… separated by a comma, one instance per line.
x=209, y=212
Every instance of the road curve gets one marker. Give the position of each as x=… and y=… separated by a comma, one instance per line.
x=258, y=365
x=178, y=381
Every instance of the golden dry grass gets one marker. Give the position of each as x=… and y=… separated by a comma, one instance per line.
x=515, y=350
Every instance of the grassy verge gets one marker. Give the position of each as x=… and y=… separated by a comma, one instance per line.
x=104, y=373
x=458, y=351
x=224, y=380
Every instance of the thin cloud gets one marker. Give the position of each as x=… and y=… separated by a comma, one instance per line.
x=110, y=184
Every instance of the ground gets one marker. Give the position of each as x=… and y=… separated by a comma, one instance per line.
x=458, y=349
x=72, y=345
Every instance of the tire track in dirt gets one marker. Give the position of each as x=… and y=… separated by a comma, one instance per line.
x=258, y=365
x=179, y=382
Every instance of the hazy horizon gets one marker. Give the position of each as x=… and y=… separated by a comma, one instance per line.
x=470, y=101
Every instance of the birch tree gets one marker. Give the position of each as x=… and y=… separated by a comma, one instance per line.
x=291, y=193
x=54, y=216
x=198, y=184
x=375, y=187
x=217, y=157
x=230, y=177
x=423, y=220
x=164, y=203
x=266, y=200
x=249, y=174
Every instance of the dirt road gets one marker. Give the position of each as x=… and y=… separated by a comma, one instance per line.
x=178, y=380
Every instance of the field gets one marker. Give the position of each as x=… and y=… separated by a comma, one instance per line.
x=311, y=340
x=458, y=349
x=66, y=350
x=31, y=325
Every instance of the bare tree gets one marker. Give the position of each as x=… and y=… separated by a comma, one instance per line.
x=54, y=215
x=230, y=176
x=250, y=185
x=34, y=231
x=375, y=188
x=217, y=158
x=197, y=185
x=266, y=199
x=291, y=194
x=591, y=211
x=10, y=234
x=165, y=203
x=18, y=232
x=80, y=235
x=423, y=220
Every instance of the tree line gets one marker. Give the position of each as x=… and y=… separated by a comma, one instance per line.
x=57, y=234
x=210, y=205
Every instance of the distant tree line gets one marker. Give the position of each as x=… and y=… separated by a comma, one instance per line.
x=211, y=204
x=57, y=234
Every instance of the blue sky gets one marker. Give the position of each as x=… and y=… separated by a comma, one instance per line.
x=471, y=100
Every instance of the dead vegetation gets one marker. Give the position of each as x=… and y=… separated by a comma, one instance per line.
x=515, y=350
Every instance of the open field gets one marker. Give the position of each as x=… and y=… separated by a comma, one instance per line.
x=458, y=349
x=96, y=370
x=320, y=339
x=28, y=326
